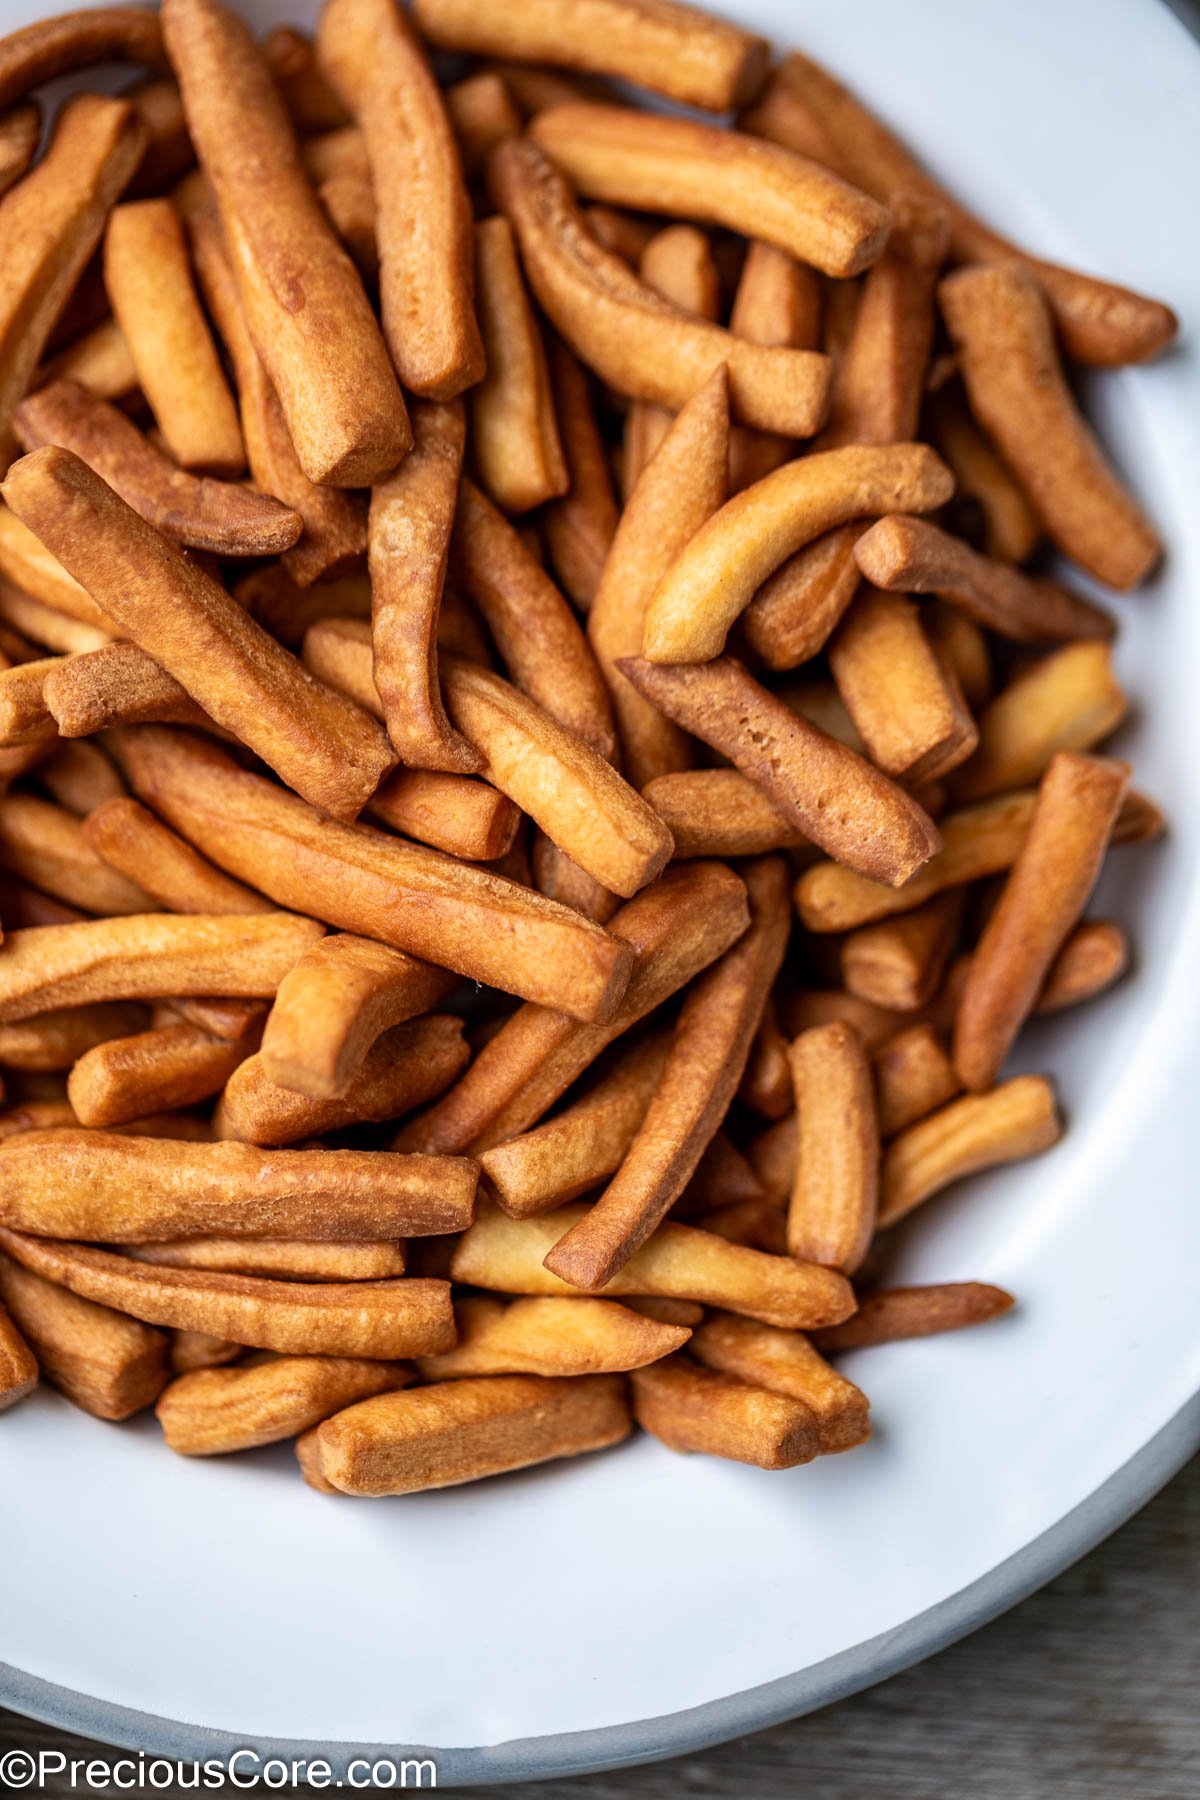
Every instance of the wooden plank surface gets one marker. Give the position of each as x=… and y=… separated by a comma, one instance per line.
x=1088, y=1691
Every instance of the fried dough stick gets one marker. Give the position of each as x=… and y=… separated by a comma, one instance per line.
x=305, y=308
x=634, y=340
x=835, y=1189
x=378, y=1319
x=514, y=432
x=109, y=1365
x=56, y=46
x=210, y=1412
x=545, y=1336
x=449, y=913
x=716, y=1027
x=333, y=752
x=579, y=528
x=378, y=69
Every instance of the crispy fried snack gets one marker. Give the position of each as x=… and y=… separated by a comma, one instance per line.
x=720, y=812
x=148, y=277
x=464, y=818
x=482, y=112
x=633, y=339
x=220, y=516
x=20, y=132
x=457, y=916
x=1002, y=330
x=109, y=1365
x=712, y=1042
x=788, y=1363
x=833, y=796
x=99, y=362
x=544, y=1336
x=130, y=839
x=899, y=963
x=412, y=516
x=333, y=753
x=211, y=1412
x=55, y=1040
x=1010, y=525
x=43, y=51
x=980, y=1131
x=18, y=1365
x=1069, y=700
x=806, y=108
x=514, y=432
x=679, y=265
x=690, y=1408
x=111, y=684
x=903, y=698
x=1049, y=886
x=148, y=956
x=305, y=308
x=698, y=171
x=456, y=1431
x=300, y=1259
x=51, y=222
x=890, y=1314
x=46, y=845
x=726, y=562
x=913, y=556
x=677, y=1262
x=377, y=68
x=579, y=528
x=670, y=48
x=675, y=928
x=913, y=1076
x=378, y=1319
x=126, y=1078
x=835, y=1187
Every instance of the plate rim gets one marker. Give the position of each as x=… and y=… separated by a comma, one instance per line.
x=640, y=1741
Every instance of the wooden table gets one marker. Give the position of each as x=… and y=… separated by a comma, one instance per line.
x=1088, y=1691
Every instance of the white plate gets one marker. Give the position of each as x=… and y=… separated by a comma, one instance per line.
x=564, y=1618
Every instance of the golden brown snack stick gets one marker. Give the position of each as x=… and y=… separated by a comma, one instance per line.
x=107, y=1186
x=1049, y=886
x=906, y=704
x=680, y=490
x=913, y=556
x=129, y=838
x=634, y=340
x=544, y=1336
x=807, y=109
x=21, y=905
x=168, y=153
x=126, y=1078
x=213, y=1411
x=535, y=631
x=407, y=1066
x=455, y=915
x=51, y=222
x=693, y=170
x=690, y=1408
x=1010, y=525
x=778, y=301
x=46, y=845
x=678, y=1262
x=456, y=1431
x=803, y=1008
x=835, y=1187
x=756, y=1224
x=1002, y=330
x=81, y=778
x=56, y=46
x=712, y=1040
x=349, y=204
x=377, y=67
x=579, y=1146
x=116, y=684
x=222, y=517
x=271, y=595
x=730, y=557
x=411, y=519
x=18, y=1365
x=305, y=308
x=483, y=112
x=834, y=797
x=899, y=963
x=979, y=1131
x=579, y=528
x=147, y=956
x=579, y=801
x=786, y=1363
x=766, y=1086
x=913, y=1076
x=334, y=1003
x=890, y=1314
x=109, y=1365
x=149, y=281
x=301, y=1259
x=963, y=648
x=673, y=49
x=55, y=1040
x=772, y=1156
x=30, y=566
x=677, y=927
x=20, y=133
x=978, y=841
x=623, y=233
x=514, y=432
x=99, y=362
x=1094, y=956
x=667, y=1312
x=35, y=1115
x=198, y=1350
x=678, y=264
x=382, y=1320
x=25, y=718
x=338, y=153
x=449, y=812
x=311, y=102
x=556, y=876
x=335, y=523
x=723, y=1177
x=247, y=682
x=1069, y=700
x=720, y=812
